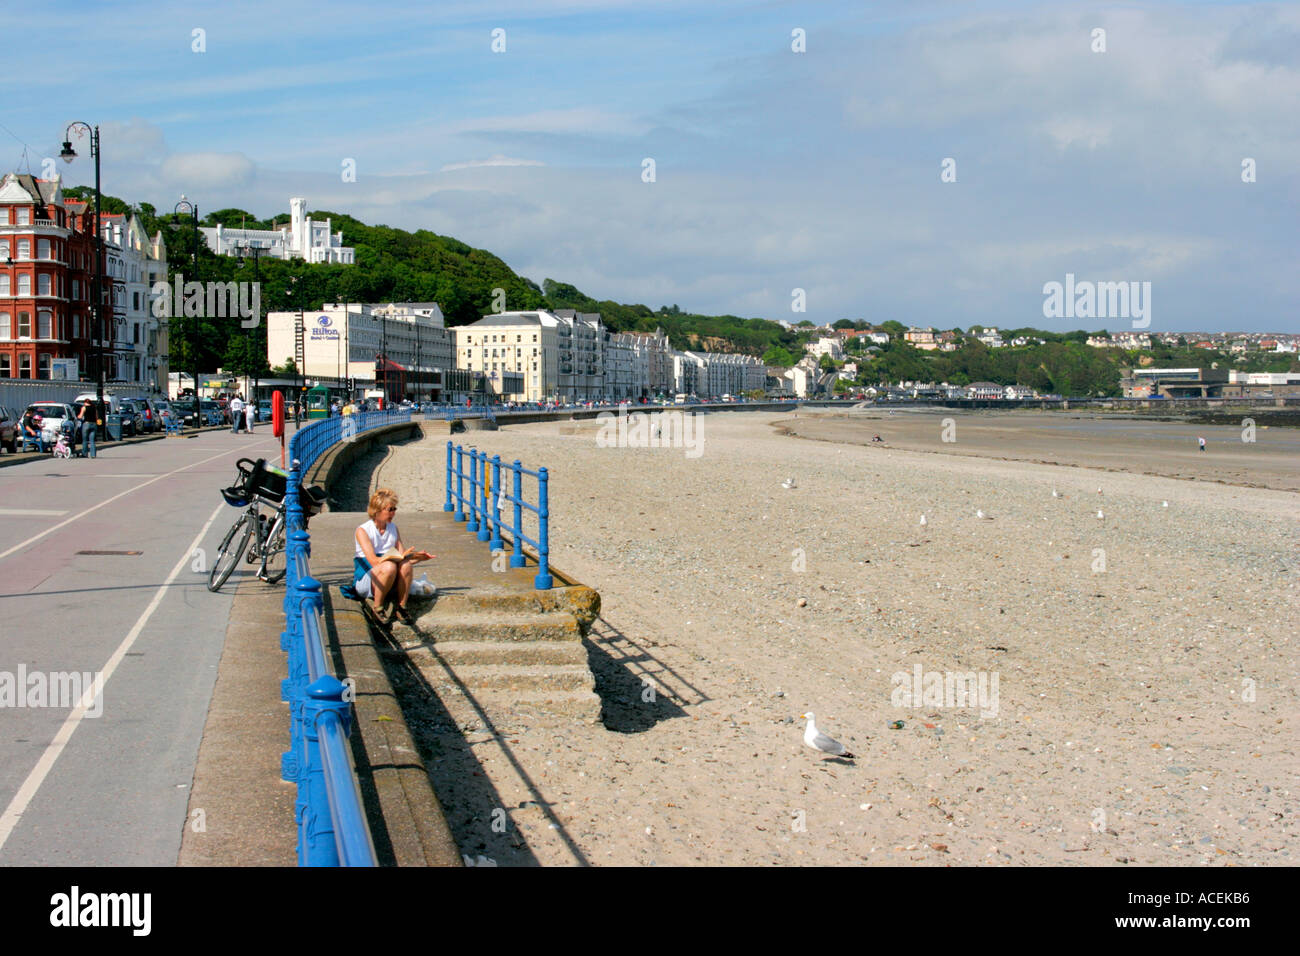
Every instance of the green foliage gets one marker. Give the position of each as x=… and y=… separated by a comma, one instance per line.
x=779, y=356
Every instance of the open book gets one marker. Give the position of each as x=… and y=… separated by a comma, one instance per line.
x=397, y=557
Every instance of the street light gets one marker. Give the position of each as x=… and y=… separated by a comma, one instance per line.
x=68, y=154
x=194, y=358
x=255, y=249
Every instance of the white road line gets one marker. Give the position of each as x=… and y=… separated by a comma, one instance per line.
x=37, y=537
x=33, y=512
x=23, y=798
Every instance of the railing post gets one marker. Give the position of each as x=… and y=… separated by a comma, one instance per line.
x=460, y=483
x=472, y=526
x=484, y=527
x=517, y=529
x=543, y=580
x=447, y=504
x=307, y=591
x=316, y=844
x=496, y=543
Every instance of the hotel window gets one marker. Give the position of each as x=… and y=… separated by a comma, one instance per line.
x=24, y=248
x=43, y=322
x=24, y=285
x=24, y=325
x=43, y=366
x=24, y=216
x=24, y=366
x=4, y=284
x=4, y=248
x=43, y=283
x=5, y=329
x=6, y=370
x=42, y=248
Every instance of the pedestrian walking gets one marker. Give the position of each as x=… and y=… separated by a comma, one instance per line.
x=236, y=415
x=1201, y=442
x=250, y=416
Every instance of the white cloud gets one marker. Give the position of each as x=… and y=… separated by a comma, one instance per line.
x=494, y=160
x=197, y=172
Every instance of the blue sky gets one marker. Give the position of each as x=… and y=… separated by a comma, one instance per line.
x=774, y=170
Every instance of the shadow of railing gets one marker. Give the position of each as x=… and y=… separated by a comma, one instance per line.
x=636, y=689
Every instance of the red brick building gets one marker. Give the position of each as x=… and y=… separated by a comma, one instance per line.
x=47, y=270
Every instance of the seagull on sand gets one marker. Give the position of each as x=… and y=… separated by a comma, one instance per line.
x=922, y=521
x=788, y=483
x=1164, y=504
x=980, y=514
x=1100, y=515
x=817, y=740
x=1055, y=493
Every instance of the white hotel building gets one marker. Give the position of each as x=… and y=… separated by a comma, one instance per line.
x=342, y=341
x=303, y=239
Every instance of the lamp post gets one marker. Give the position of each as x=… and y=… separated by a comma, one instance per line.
x=69, y=154
x=254, y=249
x=194, y=345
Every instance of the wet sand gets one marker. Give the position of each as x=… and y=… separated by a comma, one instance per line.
x=1080, y=440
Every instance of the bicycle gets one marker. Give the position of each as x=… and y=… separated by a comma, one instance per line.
x=259, y=485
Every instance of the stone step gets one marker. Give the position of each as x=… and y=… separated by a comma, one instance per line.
x=516, y=677
x=440, y=625
x=459, y=654
x=517, y=711
x=581, y=601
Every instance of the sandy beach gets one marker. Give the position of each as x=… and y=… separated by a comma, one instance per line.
x=1139, y=668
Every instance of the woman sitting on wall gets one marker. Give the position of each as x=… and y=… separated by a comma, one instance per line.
x=383, y=567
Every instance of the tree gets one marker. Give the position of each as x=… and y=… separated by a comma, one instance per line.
x=778, y=356
x=827, y=363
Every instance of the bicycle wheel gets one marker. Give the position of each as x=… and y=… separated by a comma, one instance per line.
x=229, y=552
x=275, y=564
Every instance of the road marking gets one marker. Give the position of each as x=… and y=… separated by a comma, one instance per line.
x=152, y=474
x=34, y=512
x=37, y=537
x=23, y=798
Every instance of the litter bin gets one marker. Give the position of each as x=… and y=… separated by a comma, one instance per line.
x=113, y=425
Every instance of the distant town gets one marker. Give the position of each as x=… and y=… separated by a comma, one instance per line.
x=408, y=351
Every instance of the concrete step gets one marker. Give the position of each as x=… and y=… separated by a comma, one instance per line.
x=517, y=677
x=460, y=654
x=578, y=600
x=440, y=626
x=517, y=711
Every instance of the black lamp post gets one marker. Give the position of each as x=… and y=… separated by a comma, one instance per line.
x=194, y=358
x=254, y=249
x=69, y=154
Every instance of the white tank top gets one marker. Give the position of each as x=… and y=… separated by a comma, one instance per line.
x=380, y=542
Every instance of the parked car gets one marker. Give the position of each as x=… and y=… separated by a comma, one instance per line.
x=10, y=422
x=148, y=409
x=54, y=413
x=132, y=417
x=264, y=410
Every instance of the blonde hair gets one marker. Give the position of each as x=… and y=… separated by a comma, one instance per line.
x=382, y=498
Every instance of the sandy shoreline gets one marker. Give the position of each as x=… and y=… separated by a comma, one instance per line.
x=1145, y=662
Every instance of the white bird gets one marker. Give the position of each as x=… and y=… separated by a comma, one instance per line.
x=817, y=740
x=788, y=483
x=922, y=521
x=1164, y=504
x=981, y=514
x=1100, y=515
x=1055, y=493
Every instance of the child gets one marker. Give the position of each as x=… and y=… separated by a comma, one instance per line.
x=376, y=577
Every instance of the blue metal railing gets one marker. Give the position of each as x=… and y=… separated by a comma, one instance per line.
x=486, y=495
x=332, y=827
